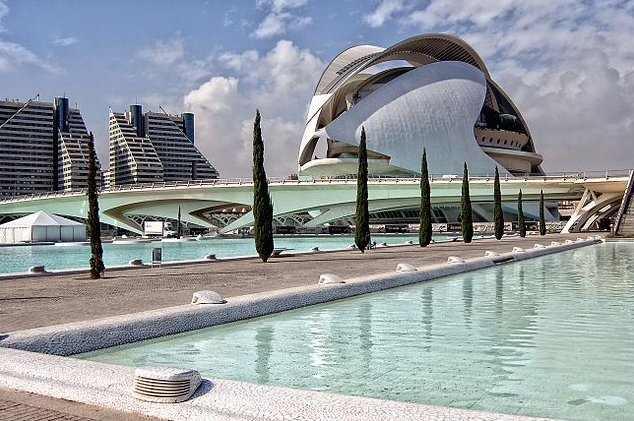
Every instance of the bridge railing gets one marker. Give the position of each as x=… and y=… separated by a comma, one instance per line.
x=434, y=178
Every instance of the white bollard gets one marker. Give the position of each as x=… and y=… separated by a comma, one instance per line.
x=405, y=267
x=207, y=297
x=490, y=253
x=329, y=278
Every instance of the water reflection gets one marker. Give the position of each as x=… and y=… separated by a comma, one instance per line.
x=427, y=316
x=263, y=339
x=467, y=299
x=365, y=333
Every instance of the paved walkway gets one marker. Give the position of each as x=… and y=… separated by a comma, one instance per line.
x=18, y=406
x=55, y=299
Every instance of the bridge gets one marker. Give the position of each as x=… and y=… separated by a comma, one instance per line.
x=326, y=200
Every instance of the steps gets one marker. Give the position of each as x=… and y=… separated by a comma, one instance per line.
x=624, y=223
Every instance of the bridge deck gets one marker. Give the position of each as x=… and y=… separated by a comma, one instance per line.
x=44, y=301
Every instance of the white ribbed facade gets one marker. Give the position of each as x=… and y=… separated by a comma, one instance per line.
x=73, y=154
x=153, y=147
x=44, y=147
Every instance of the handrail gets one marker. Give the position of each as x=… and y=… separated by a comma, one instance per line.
x=434, y=178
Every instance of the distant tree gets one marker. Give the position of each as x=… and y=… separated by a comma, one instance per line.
x=178, y=224
x=520, y=215
x=362, y=214
x=97, y=267
x=466, y=215
x=498, y=216
x=424, y=232
x=262, y=205
x=542, y=219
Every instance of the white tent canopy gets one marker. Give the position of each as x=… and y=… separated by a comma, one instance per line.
x=42, y=226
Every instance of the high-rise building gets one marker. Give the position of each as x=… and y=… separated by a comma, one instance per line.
x=44, y=147
x=152, y=147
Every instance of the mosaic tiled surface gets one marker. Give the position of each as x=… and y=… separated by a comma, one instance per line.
x=109, y=385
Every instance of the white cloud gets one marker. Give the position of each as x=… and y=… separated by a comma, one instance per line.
x=14, y=55
x=164, y=52
x=65, y=42
x=169, y=57
x=4, y=9
x=278, y=6
x=281, y=18
x=568, y=65
x=384, y=12
x=279, y=83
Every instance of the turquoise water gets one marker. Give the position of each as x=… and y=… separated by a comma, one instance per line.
x=552, y=336
x=20, y=258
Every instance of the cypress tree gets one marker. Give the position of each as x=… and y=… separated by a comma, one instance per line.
x=362, y=214
x=542, y=219
x=178, y=224
x=520, y=215
x=466, y=216
x=262, y=205
x=424, y=232
x=498, y=217
x=94, y=225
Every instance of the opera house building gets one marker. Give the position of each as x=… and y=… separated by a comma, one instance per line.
x=429, y=91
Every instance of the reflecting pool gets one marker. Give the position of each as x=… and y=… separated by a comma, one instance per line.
x=20, y=258
x=552, y=336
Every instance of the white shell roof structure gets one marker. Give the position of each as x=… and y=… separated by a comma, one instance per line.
x=428, y=92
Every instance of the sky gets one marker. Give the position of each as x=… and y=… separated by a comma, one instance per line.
x=567, y=64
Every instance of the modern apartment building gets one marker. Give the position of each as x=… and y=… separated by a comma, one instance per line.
x=154, y=147
x=44, y=147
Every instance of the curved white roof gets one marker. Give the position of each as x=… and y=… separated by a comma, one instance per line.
x=352, y=82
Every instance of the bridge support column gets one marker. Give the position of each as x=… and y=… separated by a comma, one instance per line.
x=592, y=206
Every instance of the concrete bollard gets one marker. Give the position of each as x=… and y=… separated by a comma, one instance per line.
x=207, y=297
x=518, y=250
x=455, y=260
x=329, y=278
x=405, y=267
x=539, y=246
x=37, y=269
x=490, y=253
